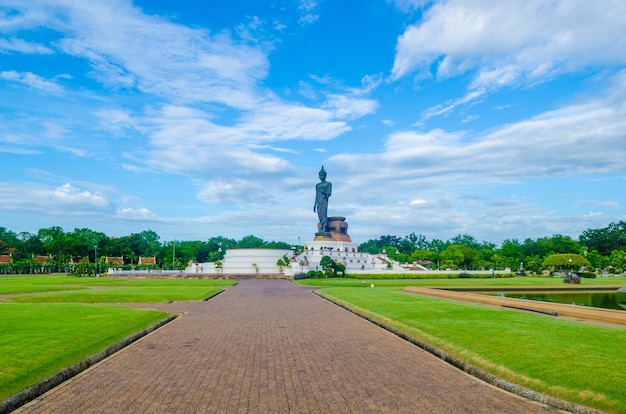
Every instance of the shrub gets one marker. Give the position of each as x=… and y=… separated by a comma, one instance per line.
x=300, y=275
x=314, y=274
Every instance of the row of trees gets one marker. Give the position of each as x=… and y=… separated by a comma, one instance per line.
x=604, y=248
x=66, y=247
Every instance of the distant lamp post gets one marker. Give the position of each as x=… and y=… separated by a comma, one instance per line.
x=95, y=258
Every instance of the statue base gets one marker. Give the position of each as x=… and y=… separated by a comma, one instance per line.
x=337, y=230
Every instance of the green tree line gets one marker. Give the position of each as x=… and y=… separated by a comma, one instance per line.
x=605, y=249
x=65, y=249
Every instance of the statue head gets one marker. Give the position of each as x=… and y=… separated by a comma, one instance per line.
x=322, y=174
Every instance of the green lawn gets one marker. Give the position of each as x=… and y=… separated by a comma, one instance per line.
x=39, y=340
x=42, y=333
x=133, y=294
x=511, y=281
x=574, y=361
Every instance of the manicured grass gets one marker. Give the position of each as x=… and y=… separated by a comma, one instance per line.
x=574, y=361
x=40, y=337
x=133, y=294
x=113, y=290
x=13, y=289
x=71, y=282
x=40, y=340
x=513, y=281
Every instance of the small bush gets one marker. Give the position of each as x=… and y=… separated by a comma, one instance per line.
x=587, y=275
x=299, y=275
x=314, y=274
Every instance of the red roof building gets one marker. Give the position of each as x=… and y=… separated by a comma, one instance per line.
x=115, y=260
x=43, y=260
x=147, y=260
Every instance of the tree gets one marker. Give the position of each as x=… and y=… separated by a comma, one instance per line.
x=282, y=262
x=83, y=268
x=331, y=267
x=8, y=241
x=466, y=240
x=565, y=261
x=418, y=241
x=327, y=264
x=461, y=256
x=510, y=254
x=557, y=244
x=251, y=242
x=617, y=260
x=28, y=244
x=605, y=240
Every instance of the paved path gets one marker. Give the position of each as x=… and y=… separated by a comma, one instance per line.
x=269, y=346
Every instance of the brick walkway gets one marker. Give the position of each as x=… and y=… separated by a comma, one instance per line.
x=269, y=346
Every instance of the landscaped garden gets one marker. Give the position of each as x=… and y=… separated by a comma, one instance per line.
x=574, y=361
x=53, y=322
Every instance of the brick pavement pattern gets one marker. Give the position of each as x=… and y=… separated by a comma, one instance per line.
x=269, y=346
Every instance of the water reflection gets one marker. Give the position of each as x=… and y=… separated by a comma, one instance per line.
x=606, y=300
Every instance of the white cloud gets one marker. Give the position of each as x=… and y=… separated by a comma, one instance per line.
x=116, y=120
x=307, y=11
x=21, y=46
x=69, y=195
x=186, y=140
x=449, y=106
x=136, y=214
x=234, y=119
x=583, y=138
x=31, y=80
x=59, y=201
x=346, y=107
x=128, y=49
x=509, y=43
x=236, y=192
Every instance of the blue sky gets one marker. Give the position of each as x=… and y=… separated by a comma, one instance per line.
x=200, y=119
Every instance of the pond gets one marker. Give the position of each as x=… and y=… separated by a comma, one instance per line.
x=606, y=300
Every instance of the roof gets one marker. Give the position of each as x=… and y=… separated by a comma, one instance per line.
x=147, y=260
x=115, y=260
x=42, y=259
